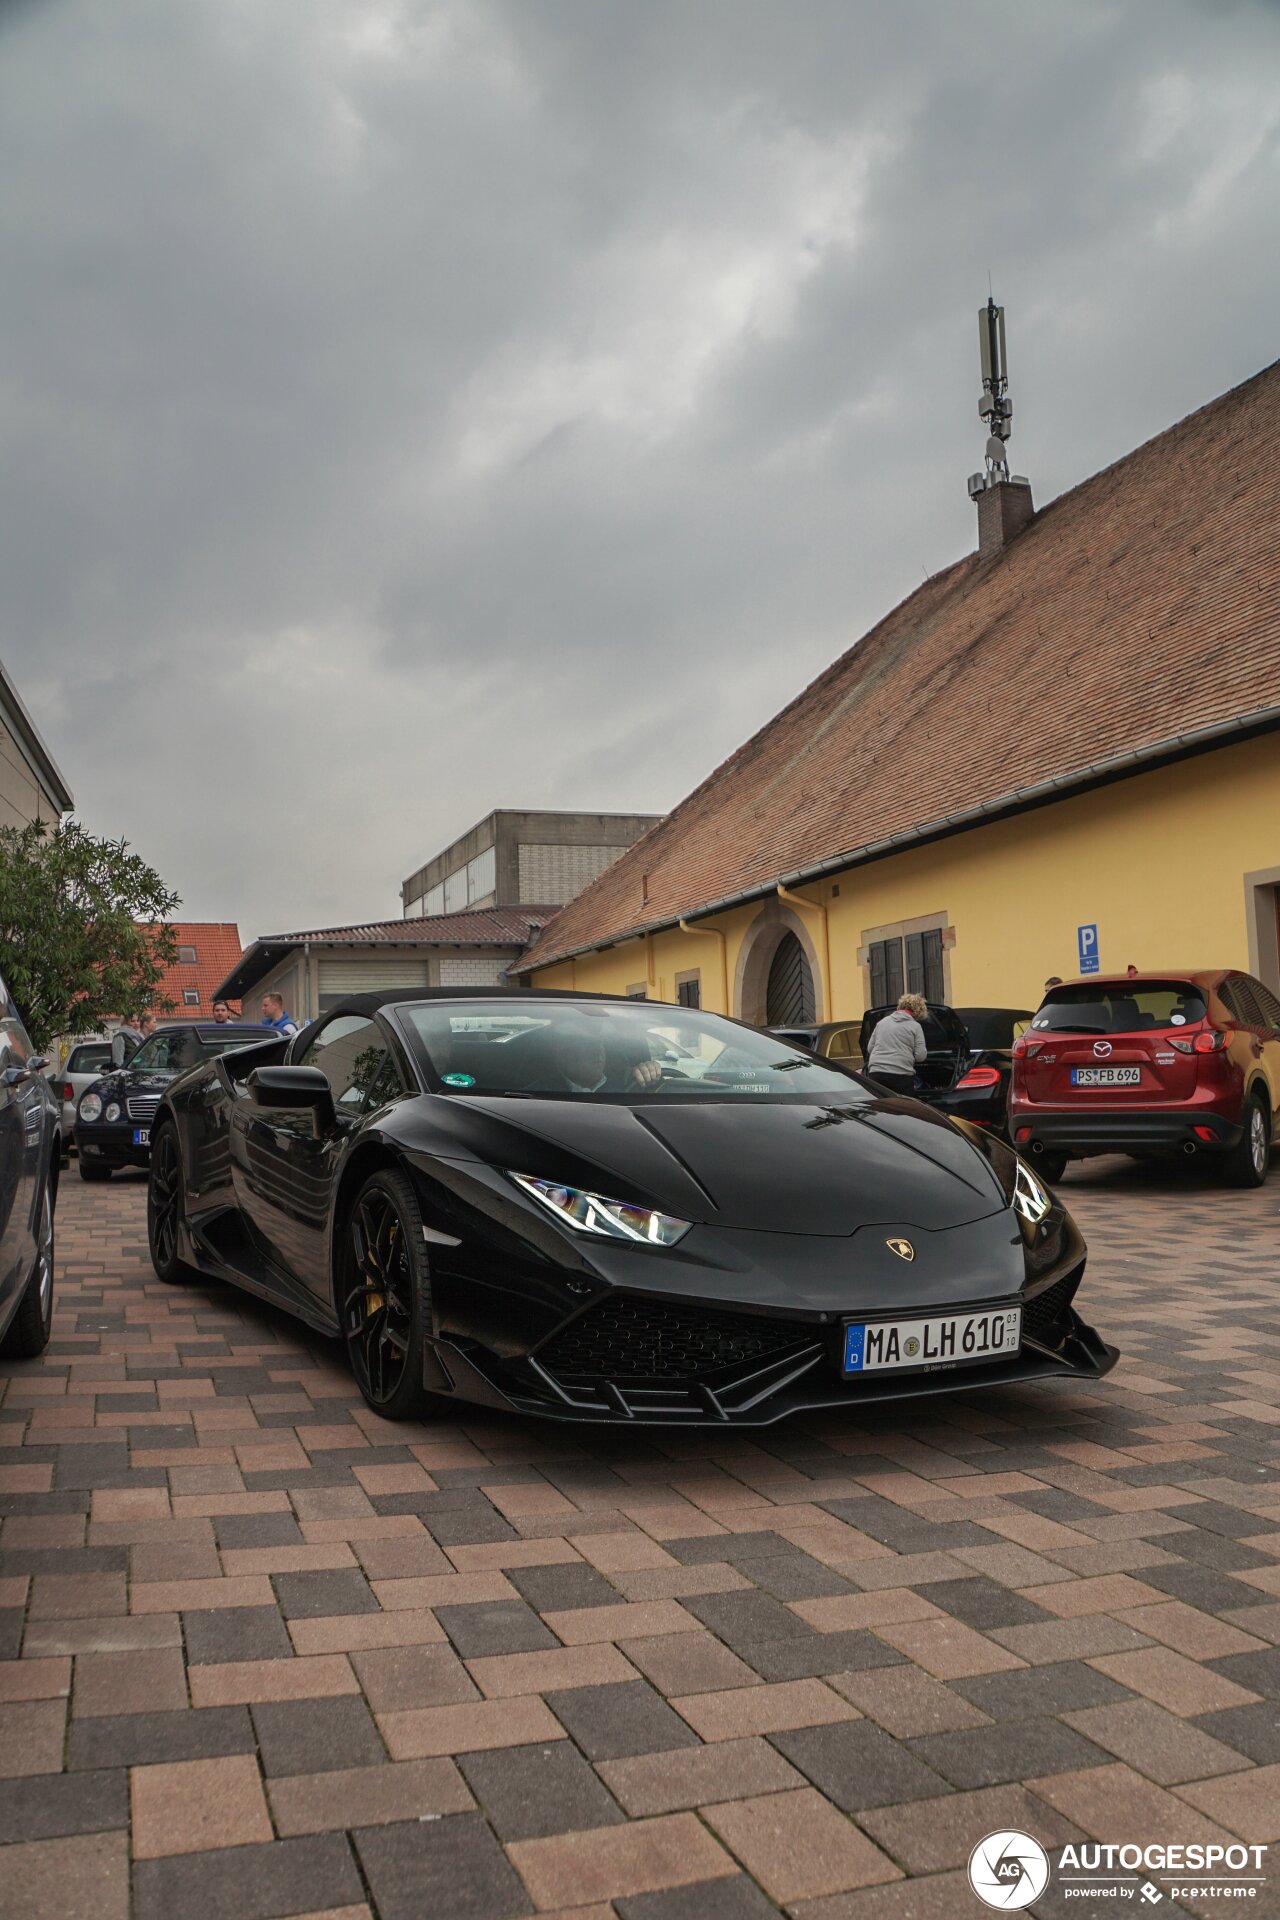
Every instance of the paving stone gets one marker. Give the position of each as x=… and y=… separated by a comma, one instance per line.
x=951, y=1828
x=612, y=1722
x=692, y=1777
x=736, y=1898
x=235, y=1633
x=148, y=1739
x=401, y=1677
x=1053, y=1688
x=368, y=1796
x=995, y=1756
x=1166, y=1748
x=562, y=1587
x=1253, y=1731
x=984, y=1603
x=610, y=1862
x=814, y=1654
x=315, y=1736
x=250, y=1883
x=798, y=1846
x=190, y=1806
x=859, y=1765
x=151, y=1680
x=56, y=1879
x=46, y=1806
x=495, y=1626
x=424, y=1731
x=906, y=1701
x=530, y=1792
x=457, y=1859
x=311, y=1596
x=688, y=1663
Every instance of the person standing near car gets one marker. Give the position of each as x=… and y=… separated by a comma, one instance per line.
x=274, y=1015
x=897, y=1046
x=221, y=1013
x=130, y=1036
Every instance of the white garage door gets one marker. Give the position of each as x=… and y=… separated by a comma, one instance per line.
x=476, y=969
x=367, y=976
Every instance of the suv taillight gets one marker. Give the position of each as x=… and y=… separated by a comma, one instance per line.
x=1024, y=1046
x=1207, y=1040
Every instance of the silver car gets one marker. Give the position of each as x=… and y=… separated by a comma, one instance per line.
x=86, y=1062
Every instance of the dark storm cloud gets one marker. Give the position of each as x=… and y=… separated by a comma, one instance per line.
x=414, y=408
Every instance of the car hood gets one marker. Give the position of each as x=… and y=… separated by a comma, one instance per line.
x=121, y=1083
x=803, y=1168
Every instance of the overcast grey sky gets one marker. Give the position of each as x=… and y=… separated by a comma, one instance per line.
x=409, y=408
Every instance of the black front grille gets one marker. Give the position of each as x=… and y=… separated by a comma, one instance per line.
x=630, y=1339
x=1042, y=1313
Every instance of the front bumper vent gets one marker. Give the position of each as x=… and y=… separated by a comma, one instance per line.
x=628, y=1339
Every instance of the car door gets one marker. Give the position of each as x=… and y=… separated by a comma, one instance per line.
x=24, y=1127
x=287, y=1168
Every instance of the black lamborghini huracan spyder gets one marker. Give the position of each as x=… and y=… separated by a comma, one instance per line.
x=606, y=1209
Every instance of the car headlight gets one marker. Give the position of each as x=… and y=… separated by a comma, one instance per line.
x=90, y=1107
x=1032, y=1200
x=113, y=1111
x=607, y=1219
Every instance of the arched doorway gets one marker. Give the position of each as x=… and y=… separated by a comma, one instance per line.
x=789, y=997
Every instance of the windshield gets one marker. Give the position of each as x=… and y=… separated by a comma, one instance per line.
x=622, y=1051
x=1124, y=1006
x=993, y=1026
x=175, y=1052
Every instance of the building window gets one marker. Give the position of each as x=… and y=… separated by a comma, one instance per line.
x=190, y=997
x=433, y=901
x=187, y=956
x=689, y=989
x=789, y=997
x=908, y=963
x=455, y=891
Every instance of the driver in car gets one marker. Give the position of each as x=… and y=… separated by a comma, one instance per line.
x=582, y=1065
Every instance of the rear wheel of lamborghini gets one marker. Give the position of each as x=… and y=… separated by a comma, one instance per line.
x=386, y=1298
x=164, y=1210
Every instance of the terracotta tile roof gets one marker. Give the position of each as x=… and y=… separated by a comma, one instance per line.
x=1140, y=607
x=486, y=927
x=217, y=946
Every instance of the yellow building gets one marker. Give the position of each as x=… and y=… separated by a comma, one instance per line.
x=1072, y=729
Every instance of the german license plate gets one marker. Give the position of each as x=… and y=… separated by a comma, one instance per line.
x=142, y=1136
x=1106, y=1076
x=954, y=1340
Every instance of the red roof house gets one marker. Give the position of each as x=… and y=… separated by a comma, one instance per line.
x=207, y=951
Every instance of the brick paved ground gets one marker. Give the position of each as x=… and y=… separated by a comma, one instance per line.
x=266, y=1655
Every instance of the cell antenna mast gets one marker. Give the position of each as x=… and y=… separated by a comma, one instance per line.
x=995, y=407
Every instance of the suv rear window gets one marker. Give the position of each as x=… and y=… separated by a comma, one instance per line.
x=91, y=1059
x=1125, y=1006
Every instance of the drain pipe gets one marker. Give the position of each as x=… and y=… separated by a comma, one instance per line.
x=724, y=957
x=798, y=900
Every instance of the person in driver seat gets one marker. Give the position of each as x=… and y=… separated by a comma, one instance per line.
x=581, y=1064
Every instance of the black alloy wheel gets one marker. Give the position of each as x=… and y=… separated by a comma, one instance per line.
x=386, y=1297
x=164, y=1210
x=28, y=1332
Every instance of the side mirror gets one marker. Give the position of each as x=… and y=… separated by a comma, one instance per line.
x=14, y=1076
x=292, y=1088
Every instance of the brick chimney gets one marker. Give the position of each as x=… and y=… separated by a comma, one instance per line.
x=1004, y=509
x=1003, y=499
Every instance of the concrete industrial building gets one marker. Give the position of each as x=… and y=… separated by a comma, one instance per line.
x=31, y=785
x=520, y=859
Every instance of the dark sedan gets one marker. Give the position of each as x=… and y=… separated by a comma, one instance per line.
x=30, y=1151
x=113, y=1118
x=603, y=1209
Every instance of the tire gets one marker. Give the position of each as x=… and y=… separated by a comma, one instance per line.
x=1246, y=1164
x=1049, y=1166
x=28, y=1332
x=384, y=1298
x=164, y=1211
x=90, y=1172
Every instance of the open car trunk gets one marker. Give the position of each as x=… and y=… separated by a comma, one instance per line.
x=945, y=1036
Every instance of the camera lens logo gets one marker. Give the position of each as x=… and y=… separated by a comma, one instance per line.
x=1008, y=1870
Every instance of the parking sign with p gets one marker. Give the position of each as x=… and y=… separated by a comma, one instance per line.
x=1087, y=948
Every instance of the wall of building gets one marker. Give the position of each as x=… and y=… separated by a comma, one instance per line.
x=505, y=859
x=309, y=984
x=23, y=798
x=1179, y=867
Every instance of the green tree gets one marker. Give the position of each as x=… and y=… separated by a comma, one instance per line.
x=81, y=929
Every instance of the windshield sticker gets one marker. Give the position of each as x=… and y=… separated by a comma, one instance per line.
x=458, y=1079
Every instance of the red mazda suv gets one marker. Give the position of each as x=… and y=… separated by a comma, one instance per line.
x=1148, y=1064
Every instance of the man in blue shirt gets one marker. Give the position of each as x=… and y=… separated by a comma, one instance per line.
x=274, y=1015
